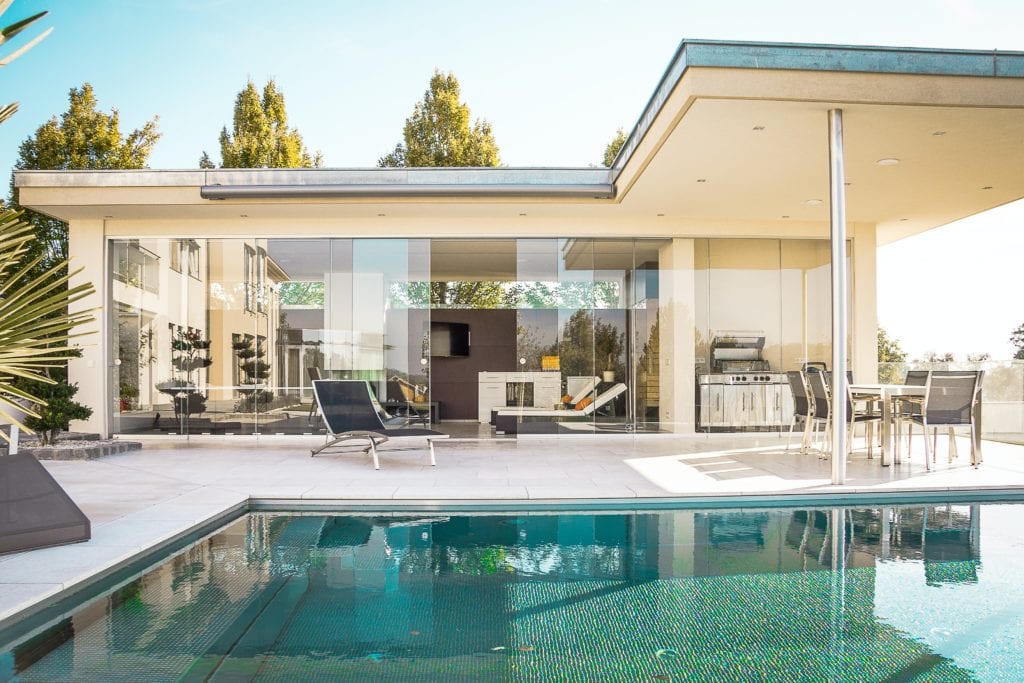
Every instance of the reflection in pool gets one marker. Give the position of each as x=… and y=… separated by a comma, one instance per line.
x=896, y=593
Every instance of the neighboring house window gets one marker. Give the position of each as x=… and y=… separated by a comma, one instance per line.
x=249, y=276
x=192, y=249
x=176, y=256
x=261, y=280
x=135, y=266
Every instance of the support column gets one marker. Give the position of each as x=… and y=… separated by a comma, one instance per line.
x=93, y=371
x=840, y=286
x=676, y=342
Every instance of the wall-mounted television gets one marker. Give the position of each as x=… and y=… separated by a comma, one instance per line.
x=449, y=339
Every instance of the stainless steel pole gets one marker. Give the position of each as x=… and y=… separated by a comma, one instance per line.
x=840, y=284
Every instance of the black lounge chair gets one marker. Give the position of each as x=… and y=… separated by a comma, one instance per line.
x=352, y=413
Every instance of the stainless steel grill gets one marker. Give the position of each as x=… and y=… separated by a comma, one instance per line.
x=742, y=393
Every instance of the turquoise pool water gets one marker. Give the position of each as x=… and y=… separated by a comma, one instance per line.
x=903, y=593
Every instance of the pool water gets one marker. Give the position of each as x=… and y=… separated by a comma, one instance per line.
x=903, y=593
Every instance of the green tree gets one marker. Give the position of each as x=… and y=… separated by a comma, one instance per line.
x=82, y=138
x=260, y=136
x=890, y=356
x=439, y=132
x=1017, y=339
x=612, y=150
x=889, y=350
x=7, y=33
x=59, y=407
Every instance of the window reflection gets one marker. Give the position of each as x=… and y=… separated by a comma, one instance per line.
x=610, y=321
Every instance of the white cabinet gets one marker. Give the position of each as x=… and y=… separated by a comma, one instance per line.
x=745, y=406
x=493, y=390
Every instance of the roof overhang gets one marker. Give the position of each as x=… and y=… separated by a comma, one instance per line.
x=734, y=132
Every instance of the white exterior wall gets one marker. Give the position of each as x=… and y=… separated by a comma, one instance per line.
x=94, y=371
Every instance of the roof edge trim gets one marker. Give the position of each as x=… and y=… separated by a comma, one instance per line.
x=333, y=191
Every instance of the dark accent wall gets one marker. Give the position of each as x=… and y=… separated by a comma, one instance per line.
x=492, y=348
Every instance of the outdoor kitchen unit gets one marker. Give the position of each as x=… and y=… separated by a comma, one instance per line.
x=741, y=393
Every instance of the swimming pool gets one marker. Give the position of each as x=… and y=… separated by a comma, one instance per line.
x=922, y=592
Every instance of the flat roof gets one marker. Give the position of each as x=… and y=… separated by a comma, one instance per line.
x=746, y=121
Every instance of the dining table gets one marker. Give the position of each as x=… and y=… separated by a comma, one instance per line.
x=889, y=395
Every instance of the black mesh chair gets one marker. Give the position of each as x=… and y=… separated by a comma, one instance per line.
x=909, y=405
x=950, y=400
x=821, y=404
x=352, y=413
x=820, y=385
x=802, y=408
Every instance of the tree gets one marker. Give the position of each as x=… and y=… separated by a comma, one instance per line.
x=890, y=356
x=612, y=150
x=83, y=138
x=889, y=350
x=6, y=34
x=1017, y=339
x=439, y=133
x=260, y=136
x=59, y=407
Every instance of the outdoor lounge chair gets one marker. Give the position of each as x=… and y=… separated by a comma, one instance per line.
x=507, y=419
x=586, y=389
x=352, y=413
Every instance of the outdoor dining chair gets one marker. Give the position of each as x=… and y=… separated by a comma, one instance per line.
x=802, y=408
x=950, y=400
x=909, y=405
x=822, y=394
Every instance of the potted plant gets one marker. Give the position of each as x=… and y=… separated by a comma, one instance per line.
x=126, y=396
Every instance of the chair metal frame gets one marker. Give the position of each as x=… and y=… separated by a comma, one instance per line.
x=795, y=376
x=976, y=377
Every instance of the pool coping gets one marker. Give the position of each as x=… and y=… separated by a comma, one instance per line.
x=25, y=621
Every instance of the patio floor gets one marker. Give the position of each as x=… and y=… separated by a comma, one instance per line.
x=141, y=499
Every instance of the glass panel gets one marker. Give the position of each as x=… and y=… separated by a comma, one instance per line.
x=645, y=351
x=160, y=344
x=391, y=322
x=807, y=303
x=238, y=340
x=297, y=271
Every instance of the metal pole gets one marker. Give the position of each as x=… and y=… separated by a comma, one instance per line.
x=837, y=643
x=837, y=205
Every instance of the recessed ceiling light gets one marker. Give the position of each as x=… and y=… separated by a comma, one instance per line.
x=987, y=187
x=813, y=202
x=758, y=127
x=702, y=180
x=888, y=161
x=939, y=132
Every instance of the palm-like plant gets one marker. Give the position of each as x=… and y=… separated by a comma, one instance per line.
x=8, y=32
x=36, y=329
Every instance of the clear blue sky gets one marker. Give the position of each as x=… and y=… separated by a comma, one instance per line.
x=554, y=78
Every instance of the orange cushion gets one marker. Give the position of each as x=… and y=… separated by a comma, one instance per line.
x=584, y=403
x=566, y=399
